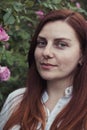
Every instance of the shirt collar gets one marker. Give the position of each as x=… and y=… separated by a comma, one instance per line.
x=67, y=93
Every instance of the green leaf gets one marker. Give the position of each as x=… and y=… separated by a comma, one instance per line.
x=1, y=96
x=56, y=1
x=8, y=18
x=27, y=18
x=18, y=6
x=29, y=3
x=8, y=57
x=23, y=34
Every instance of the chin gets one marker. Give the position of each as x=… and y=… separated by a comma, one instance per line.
x=46, y=77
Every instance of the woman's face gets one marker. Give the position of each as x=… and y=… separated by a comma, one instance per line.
x=58, y=52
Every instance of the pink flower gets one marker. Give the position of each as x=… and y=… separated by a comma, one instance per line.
x=78, y=5
x=4, y=73
x=3, y=35
x=40, y=14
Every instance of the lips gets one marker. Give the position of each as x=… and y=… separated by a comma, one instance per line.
x=47, y=65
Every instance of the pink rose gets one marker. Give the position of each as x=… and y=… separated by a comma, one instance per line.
x=78, y=5
x=3, y=35
x=4, y=73
x=40, y=14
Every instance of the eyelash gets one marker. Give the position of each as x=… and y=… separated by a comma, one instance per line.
x=41, y=43
x=59, y=44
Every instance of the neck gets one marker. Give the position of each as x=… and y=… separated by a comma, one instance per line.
x=57, y=88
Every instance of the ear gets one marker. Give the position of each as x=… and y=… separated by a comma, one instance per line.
x=81, y=60
x=80, y=63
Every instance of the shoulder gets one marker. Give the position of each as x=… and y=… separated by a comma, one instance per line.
x=14, y=98
x=11, y=103
x=17, y=92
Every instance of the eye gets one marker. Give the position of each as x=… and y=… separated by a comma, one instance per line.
x=61, y=44
x=41, y=43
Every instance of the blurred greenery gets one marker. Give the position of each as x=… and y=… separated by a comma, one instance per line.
x=19, y=19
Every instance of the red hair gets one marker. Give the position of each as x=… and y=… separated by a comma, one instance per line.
x=30, y=110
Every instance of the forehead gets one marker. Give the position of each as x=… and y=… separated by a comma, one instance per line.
x=58, y=29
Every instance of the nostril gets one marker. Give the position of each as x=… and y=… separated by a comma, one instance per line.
x=47, y=54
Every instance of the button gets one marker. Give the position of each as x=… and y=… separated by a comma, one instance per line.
x=68, y=91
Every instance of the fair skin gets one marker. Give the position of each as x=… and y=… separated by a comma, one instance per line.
x=57, y=55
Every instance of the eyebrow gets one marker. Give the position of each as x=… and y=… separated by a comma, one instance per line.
x=62, y=38
x=56, y=39
x=41, y=38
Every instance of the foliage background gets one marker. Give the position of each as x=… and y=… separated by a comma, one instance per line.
x=19, y=19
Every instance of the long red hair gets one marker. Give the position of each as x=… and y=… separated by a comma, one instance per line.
x=30, y=110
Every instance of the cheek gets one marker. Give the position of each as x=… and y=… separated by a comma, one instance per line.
x=73, y=55
x=37, y=55
x=70, y=61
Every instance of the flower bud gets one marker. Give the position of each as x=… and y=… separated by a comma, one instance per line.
x=40, y=14
x=78, y=5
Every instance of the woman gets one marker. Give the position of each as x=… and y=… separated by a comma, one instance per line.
x=56, y=93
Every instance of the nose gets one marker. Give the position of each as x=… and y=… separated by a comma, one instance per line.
x=47, y=52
